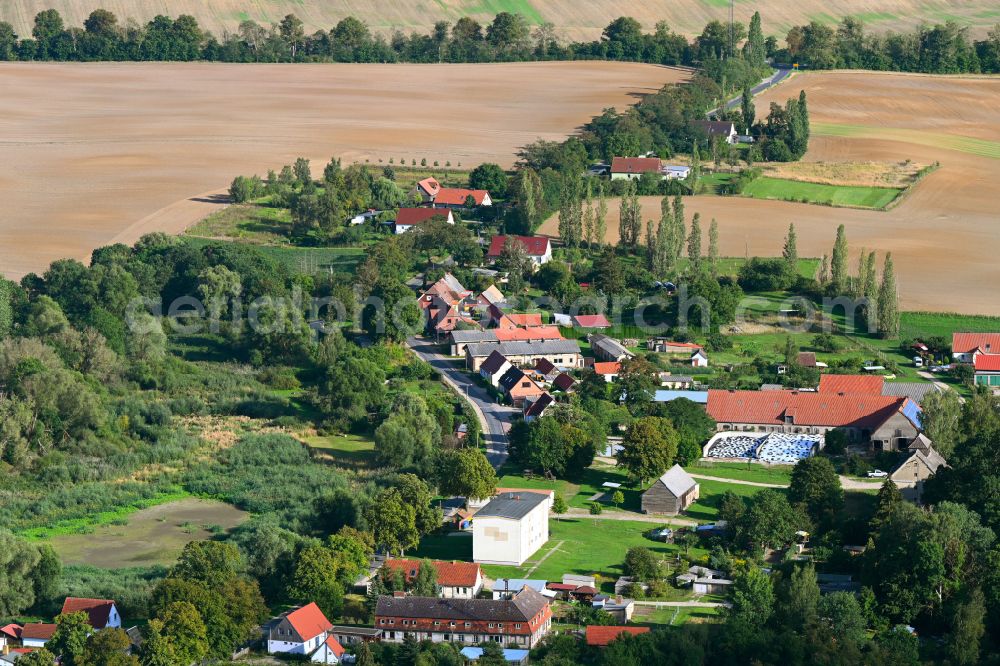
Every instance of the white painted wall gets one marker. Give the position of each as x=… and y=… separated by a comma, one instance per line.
x=506, y=541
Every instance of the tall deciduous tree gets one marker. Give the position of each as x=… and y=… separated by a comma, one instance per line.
x=467, y=472
x=648, y=448
x=694, y=244
x=753, y=598
x=790, y=253
x=713, y=248
x=629, y=217
x=18, y=559
x=601, y=217
x=941, y=418
x=815, y=483
x=392, y=522
x=70, y=637
x=838, y=261
x=888, y=301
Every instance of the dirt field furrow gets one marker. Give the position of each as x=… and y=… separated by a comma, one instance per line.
x=101, y=153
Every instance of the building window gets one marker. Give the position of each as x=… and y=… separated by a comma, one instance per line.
x=517, y=626
x=468, y=624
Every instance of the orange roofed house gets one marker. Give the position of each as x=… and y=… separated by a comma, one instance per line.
x=601, y=636
x=966, y=346
x=101, y=613
x=457, y=580
x=885, y=422
x=521, y=621
x=538, y=248
x=305, y=631
x=407, y=218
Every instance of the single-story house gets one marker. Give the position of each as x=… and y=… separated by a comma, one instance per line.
x=101, y=613
x=538, y=248
x=535, y=408
x=965, y=346
x=597, y=321
x=621, y=608
x=608, y=349
x=672, y=493
x=456, y=580
x=676, y=382
x=723, y=129
x=455, y=197
x=407, y=218
x=699, y=359
x=459, y=339
x=601, y=636
x=608, y=369
x=808, y=360
x=510, y=655
x=676, y=172
x=36, y=634
x=987, y=370
x=518, y=387
x=630, y=168
x=579, y=580
x=494, y=367
x=562, y=353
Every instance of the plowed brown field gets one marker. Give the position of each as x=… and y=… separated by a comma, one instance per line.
x=945, y=236
x=100, y=153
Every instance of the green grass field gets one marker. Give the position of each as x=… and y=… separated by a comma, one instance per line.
x=830, y=195
x=778, y=474
x=303, y=260
x=348, y=450
x=710, y=494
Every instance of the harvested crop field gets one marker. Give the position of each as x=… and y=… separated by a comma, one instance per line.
x=571, y=18
x=944, y=235
x=152, y=536
x=106, y=152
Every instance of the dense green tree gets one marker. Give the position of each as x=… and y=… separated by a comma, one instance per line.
x=70, y=637
x=752, y=598
x=18, y=559
x=409, y=436
x=816, y=484
x=648, y=448
x=467, y=473
x=797, y=597
x=641, y=564
x=38, y=657
x=843, y=613
x=941, y=418
x=490, y=177
x=425, y=582
x=392, y=522
x=184, y=630
x=316, y=578
x=637, y=384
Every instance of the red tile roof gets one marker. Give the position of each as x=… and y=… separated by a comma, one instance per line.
x=430, y=186
x=635, y=165
x=535, y=246
x=12, y=630
x=38, y=631
x=456, y=196
x=528, y=319
x=592, y=321
x=851, y=384
x=309, y=621
x=410, y=216
x=684, y=345
x=963, y=343
x=523, y=334
x=814, y=409
x=449, y=574
x=607, y=367
x=335, y=647
x=561, y=587
x=601, y=636
x=988, y=362
x=98, y=610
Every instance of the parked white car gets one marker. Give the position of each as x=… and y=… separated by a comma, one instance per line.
x=877, y=474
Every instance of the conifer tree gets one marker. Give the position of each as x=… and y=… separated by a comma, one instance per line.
x=756, y=50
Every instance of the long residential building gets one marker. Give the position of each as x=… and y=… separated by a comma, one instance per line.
x=521, y=621
x=456, y=580
x=562, y=353
x=888, y=423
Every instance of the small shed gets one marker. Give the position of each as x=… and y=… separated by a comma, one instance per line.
x=672, y=493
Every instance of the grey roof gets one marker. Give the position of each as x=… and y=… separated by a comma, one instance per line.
x=519, y=348
x=714, y=126
x=525, y=605
x=473, y=336
x=609, y=345
x=514, y=505
x=772, y=387
x=677, y=481
x=563, y=382
x=452, y=282
x=683, y=379
x=538, y=407
x=510, y=379
x=915, y=391
x=493, y=362
x=345, y=630
x=928, y=457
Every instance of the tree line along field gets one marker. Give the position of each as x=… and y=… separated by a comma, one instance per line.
x=572, y=20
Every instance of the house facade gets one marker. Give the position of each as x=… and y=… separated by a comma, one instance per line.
x=519, y=387
x=538, y=248
x=632, y=168
x=965, y=346
x=407, y=218
x=101, y=613
x=456, y=580
x=987, y=370
x=562, y=353
x=300, y=631
x=494, y=367
x=671, y=494
x=521, y=621
x=510, y=528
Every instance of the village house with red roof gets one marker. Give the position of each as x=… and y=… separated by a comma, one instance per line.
x=101, y=613
x=456, y=580
x=601, y=636
x=987, y=368
x=305, y=631
x=407, y=218
x=431, y=192
x=966, y=346
x=538, y=248
x=36, y=634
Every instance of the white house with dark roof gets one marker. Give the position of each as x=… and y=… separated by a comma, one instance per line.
x=510, y=528
x=672, y=493
x=494, y=367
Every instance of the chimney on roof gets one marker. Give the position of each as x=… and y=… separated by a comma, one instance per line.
x=398, y=594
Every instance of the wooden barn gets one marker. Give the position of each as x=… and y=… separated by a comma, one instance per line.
x=672, y=493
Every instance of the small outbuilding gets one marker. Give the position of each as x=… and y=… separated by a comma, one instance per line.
x=672, y=493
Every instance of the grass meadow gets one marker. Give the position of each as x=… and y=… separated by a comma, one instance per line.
x=816, y=193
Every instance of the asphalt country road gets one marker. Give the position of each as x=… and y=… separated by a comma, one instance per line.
x=496, y=418
x=778, y=76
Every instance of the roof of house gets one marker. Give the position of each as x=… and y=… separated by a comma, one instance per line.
x=675, y=379
x=928, y=457
x=987, y=363
x=334, y=646
x=544, y=366
x=563, y=382
x=851, y=384
x=525, y=334
x=535, y=246
x=449, y=574
x=520, y=348
x=410, y=216
x=308, y=621
x=510, y=378
x=601, y=636
x=538, y=407
x=677, y=481
x=518, y=584
x=12, y=630
x=456, y=196
x=493, y=295
x=963, y=343
x=607, y=367
x=806, y=359
x=493, y=363
x=609, y=345
x=38, y=631
x=98, y=610
x=592, y=321
x=817, y=409
x=512, y=505
x=715, y=126
x=682, y=345
x=477, y=335
x=524, y=606
x=635, y=165
x=526, y=319
x=429, y=185
x=915, y=391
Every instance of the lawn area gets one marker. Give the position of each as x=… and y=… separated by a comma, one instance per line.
x=303, y=260
x=576, y=545
x=914, y=325
x=245, y=222
x=830, y=195
x=652, y=616
x=710, y=494
x=151, y=536
x=349, y=450
x=577, y=493
x=757, y=473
